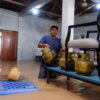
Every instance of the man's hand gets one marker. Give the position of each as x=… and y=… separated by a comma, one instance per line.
x=63, y=49
x=40, y=45
x=47, y=45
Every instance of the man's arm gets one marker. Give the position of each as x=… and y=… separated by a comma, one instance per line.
x=42, y=45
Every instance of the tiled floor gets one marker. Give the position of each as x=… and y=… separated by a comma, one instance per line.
x=54, y=91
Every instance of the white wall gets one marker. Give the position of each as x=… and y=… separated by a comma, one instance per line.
x=30, y=30
x=85, y=19
x=8, y=20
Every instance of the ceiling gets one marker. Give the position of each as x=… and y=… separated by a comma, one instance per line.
x=52, y=9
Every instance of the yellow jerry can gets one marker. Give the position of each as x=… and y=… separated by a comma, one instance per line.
x=14, y=74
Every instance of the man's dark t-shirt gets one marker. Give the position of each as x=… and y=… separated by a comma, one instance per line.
x=55, y=43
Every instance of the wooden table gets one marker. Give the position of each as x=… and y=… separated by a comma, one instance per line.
x=94, y=79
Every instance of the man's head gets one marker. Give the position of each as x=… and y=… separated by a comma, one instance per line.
x=54, y=31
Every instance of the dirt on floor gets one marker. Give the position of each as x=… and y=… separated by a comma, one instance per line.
x=56, y=90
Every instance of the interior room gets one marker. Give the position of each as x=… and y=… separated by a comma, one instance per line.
x=49, y=49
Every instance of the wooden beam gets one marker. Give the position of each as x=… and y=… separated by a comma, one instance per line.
x=37, y=3
x=50, y=13
x=14, y=2
x=26, y=2
x=84, y=11
x=79, y=3
x=54, y=5
x=59, y=7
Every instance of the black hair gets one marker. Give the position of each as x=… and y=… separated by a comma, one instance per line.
x=54, y=27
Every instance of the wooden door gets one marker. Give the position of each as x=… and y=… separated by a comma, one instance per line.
x=9, y=45
x=0, y=43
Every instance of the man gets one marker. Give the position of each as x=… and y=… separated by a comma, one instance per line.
x=52, y=42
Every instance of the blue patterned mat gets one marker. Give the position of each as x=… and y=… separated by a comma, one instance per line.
x=8, y=87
